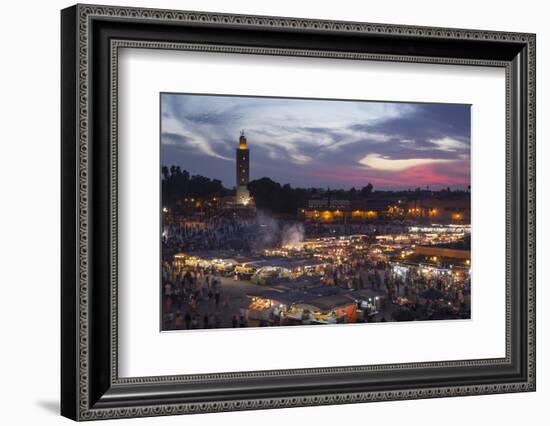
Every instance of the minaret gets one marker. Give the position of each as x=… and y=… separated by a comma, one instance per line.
x=243, y=170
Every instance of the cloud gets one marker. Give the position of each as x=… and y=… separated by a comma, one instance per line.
x=174, y=132
x=449, y=144
x=379, y=162
x=435, y=174
x=291, y=139
x=168, y=138
x=299, y=158
x=430, y=127
x=289, y=124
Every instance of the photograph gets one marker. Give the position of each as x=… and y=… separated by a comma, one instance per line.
x=294, y=211
x=274, y=208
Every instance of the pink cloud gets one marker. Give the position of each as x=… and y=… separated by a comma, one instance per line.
x=455, y=174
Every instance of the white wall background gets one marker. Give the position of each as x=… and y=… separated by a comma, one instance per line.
x=29, y=211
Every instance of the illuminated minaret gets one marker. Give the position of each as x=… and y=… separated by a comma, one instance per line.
x=243, y=170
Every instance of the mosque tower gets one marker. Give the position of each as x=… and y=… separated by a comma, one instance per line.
x=243, y=171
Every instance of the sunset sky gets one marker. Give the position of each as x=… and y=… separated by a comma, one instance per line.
x=319, y=143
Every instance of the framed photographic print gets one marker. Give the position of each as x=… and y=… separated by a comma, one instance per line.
x=263, y=212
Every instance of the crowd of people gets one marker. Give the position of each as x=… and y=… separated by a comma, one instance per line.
x=319, y=229
x=222, y=232
x=233, y=232
x=377, y=275
x=405, y=284
x=195, y=297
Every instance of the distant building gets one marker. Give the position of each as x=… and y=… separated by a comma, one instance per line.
x=447, y=210
x=243, y=171
x=338, y=210
x=327, y=203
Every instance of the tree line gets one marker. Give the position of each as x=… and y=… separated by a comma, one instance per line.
x=276, y=198
x=177, y=183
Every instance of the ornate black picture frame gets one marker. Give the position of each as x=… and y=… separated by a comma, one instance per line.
x=91, y=36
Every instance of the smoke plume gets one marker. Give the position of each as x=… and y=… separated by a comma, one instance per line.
x=293, y=234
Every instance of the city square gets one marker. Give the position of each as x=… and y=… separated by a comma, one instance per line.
x=265, y=254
